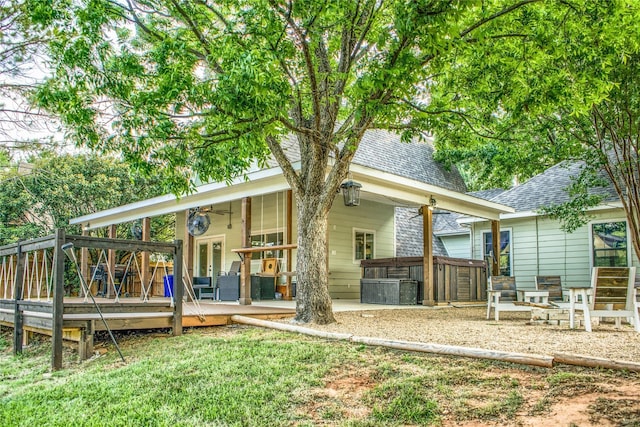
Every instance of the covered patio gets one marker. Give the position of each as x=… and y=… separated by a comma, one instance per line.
x=377, y=188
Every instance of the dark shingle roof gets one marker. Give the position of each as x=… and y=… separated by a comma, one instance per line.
x=409, y=240
x=384, y=151
x=487, y=194
x=548, y=188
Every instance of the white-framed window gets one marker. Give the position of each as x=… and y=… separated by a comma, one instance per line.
x=609, y=243
x=364, y=244
x=267, y=238
x=506, y=260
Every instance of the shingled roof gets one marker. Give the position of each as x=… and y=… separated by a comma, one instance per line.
x=548, y=188
x=384, y=151
x=409, y=234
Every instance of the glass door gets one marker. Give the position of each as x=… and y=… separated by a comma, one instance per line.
x=209, y=257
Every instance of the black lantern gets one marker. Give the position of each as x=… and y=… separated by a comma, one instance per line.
x=351, y=193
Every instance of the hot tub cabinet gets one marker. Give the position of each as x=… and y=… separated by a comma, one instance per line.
x=455, y=279
x=389, y=291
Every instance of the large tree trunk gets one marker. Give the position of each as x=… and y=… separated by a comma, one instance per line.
x=313, y=303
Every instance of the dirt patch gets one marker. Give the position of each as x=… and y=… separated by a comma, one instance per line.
x=341, y=397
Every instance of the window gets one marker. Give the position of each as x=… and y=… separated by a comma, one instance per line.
x=609, y=244
x=363, y=244
x=266, y=239
x=505, y=250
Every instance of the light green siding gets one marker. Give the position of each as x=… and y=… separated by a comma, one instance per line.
x=267, y=215
x=344, y=273
x=540, y=247
x=457, y=246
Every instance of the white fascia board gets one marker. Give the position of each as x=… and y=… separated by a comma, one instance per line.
x=531, y=214
x=451, y=233
x=256, y=183
x=409, y=190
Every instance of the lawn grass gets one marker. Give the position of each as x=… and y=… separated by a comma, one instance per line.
x=252, y=377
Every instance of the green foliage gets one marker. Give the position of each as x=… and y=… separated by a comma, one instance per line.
x=555, y=81
x=43, y=194
x=24, y=32
x=203, y=90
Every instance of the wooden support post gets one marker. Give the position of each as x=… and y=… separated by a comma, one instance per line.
x=495, y=242
x=427, y=257
x=18, y=330
x=144, y=262
x=289, y=221
x=85, y=346
x=112, y=262
x=178, y=289
x=58, y=300
x=84, y=261
x=245, y=268
x=188, y=246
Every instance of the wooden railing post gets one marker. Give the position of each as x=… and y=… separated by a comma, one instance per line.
x=84, y=260
x=289, y=221
x=245, y=268
x=111, y=260
x=144, y=262
x=178, y=289
x=18, y=332
x=58, y=300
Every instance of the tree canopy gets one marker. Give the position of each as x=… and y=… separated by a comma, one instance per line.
x=565, y=86
x=44, y=193
x=26, y=26
x=207, y=88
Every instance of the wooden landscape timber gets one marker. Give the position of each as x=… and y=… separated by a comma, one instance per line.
x=448, y=350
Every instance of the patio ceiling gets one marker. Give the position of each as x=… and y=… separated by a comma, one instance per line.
x=378, y=186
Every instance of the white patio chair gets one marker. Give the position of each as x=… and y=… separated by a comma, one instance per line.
x=614, y=296
x=502, y=296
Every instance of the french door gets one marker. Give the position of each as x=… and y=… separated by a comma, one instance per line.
x=209, y=257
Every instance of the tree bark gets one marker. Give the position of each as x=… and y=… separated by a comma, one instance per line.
x=313, y=303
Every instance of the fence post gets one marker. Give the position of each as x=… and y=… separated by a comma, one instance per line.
x=58, y=301
x=18, y=332
x=178, y=289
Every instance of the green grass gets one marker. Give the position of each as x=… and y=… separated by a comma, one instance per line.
x=254, y=377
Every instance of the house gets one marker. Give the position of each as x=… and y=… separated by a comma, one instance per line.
x=450, y=237
x=533, y=244
x=392, y=174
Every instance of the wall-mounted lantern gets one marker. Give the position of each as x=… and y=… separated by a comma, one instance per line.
x=351, y=193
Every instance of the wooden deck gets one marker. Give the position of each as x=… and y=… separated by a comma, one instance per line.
x=217, y=314
x=132, y=313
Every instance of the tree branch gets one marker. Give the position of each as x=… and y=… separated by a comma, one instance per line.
x=496, y=15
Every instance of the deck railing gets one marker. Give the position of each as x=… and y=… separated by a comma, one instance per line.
x=36, y=274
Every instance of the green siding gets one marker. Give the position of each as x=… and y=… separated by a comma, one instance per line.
x=540, y=247
x=457, y=246
x=344, y=273
x=267, y=215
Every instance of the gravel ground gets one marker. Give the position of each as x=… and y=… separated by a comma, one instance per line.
x=468, y=327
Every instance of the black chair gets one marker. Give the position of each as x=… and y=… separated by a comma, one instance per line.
x=99, y=276
x=202, y=288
